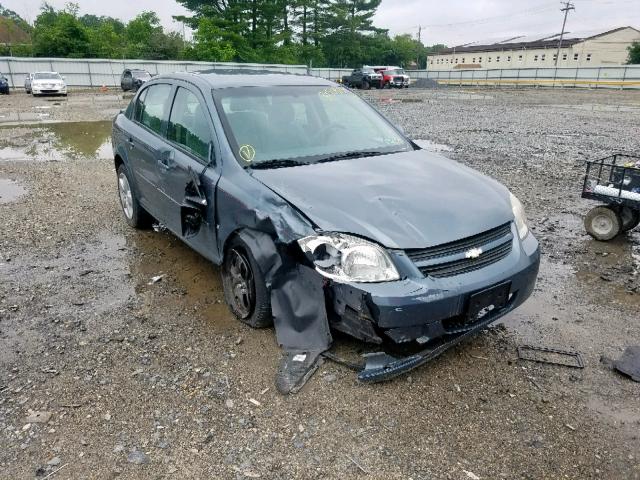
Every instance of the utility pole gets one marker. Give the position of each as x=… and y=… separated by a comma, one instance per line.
x=567, y=6
x=420, y=42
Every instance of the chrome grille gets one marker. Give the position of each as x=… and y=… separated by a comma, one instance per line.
x=450, y=259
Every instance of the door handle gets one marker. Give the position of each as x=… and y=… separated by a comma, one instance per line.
x=130, y=142
x=166, y=158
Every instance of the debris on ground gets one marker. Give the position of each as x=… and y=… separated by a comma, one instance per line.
x=156, y=279
x=553, y=356
x=629, y=363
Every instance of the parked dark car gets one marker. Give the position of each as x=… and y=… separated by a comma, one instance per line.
x=4, y=85
x=323, y=214
x=363, y=78
x=132, y=79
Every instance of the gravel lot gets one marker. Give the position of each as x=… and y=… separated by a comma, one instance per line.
x=104, y=375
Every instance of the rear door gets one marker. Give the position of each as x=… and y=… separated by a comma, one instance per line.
x=187, y=172
x=146, y=145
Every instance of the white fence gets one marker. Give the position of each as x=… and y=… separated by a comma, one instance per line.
x=98, y=72
x=627, y=77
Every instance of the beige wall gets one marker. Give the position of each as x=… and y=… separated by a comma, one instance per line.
x=605, y=50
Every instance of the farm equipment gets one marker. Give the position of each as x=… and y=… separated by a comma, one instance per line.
x=614, y=181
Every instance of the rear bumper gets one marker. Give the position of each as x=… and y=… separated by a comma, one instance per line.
x=422, y=309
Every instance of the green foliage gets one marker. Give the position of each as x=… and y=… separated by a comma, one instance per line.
x=313, y=32
x=63, y=33
x=634, y=53
x=318, y=32
x=60, y=33
x=15, y=18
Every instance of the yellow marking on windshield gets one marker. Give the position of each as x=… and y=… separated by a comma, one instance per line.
x=247, y=152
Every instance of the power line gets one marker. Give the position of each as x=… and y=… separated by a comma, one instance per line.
x=538, y=9
x=567, y=6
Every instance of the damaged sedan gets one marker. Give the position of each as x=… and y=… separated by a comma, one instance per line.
x=323, y=216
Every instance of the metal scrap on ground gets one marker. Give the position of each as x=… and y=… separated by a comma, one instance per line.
x=550, y=355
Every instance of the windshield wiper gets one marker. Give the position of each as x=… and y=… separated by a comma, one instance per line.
x=277, y=163
x=346, y=155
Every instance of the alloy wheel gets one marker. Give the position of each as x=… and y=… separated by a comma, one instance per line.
x=242, y=283
x=126, y=197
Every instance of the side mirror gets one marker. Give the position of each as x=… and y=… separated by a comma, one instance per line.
x=64, y=78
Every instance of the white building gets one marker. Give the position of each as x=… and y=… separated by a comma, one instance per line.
x=580, y=49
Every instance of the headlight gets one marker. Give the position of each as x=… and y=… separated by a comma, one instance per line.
x=520, y=216
x=349, y=259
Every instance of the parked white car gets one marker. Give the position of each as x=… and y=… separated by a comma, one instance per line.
x=48, y=83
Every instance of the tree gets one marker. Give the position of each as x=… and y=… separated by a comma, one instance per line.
x=60, y=33
x=634, y=53
x=145, y=38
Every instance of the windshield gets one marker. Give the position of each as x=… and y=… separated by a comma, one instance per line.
x=47, y=76
x=395, y=71
x=141, y=75
x=306, y=123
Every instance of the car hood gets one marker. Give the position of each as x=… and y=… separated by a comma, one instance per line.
x=412, y=199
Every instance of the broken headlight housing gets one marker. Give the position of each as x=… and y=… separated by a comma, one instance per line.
x=519, y=216
x=348, y=258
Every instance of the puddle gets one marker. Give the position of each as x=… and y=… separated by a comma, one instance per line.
x=56, y=142
x=10, y=190
x=195, y=283
x=432, y=146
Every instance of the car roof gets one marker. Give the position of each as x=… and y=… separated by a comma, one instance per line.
x=56, y=73
x=219, y=78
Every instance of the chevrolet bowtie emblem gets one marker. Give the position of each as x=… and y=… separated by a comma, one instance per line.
x=473, y=253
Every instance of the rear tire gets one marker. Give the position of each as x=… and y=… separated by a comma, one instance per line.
x=134, y=214
x=603, y=223
x=630, y=218
x=245, y=290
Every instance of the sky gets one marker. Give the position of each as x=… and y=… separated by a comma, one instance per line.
x=454, y=22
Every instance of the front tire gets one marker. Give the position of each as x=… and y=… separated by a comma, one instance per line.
x=134, y=214
x=603, y=223
x=245, y=290
x=365, y=85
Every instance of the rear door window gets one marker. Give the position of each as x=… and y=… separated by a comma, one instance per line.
x=139, y=104
x=188, y=125
x=154, y=111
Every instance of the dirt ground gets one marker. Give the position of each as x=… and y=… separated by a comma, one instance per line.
x=104, y=374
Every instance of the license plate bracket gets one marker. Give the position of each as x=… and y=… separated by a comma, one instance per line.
x=486, y=301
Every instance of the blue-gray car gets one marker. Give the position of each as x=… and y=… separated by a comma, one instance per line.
x=323, y=216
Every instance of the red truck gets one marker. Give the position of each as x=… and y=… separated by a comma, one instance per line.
x=393, y=77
